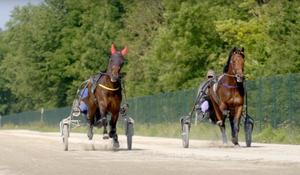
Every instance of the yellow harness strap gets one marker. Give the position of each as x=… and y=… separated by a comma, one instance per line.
x=108, y=87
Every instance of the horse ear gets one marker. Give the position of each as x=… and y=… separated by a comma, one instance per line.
x=124, y=51
x=112, y=49
x=234, y=50
x=242, y=50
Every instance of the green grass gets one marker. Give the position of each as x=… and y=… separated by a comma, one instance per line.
x=280, y=135
x=202, y=131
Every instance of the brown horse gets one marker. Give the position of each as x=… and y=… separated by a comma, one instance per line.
x=228, y=94
x=107, y=97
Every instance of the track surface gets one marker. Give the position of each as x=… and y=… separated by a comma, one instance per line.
x=35, y=153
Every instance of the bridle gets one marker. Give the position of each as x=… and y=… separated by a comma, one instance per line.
x=234, y=71
x=110, y=69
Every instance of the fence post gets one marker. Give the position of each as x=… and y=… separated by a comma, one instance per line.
x=177, y=107
x=169, y=107
x=275, y=125
x=148, y=106
x=162, y=105
x=0, y=121
x=138, y=108
x=290, y=101
x=259, y=113
x=184, y=100
x=155, y=104
x=42, y=113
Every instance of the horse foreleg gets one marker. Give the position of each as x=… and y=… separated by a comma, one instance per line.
x=238, y=116
x=233, y=134
x=221, y=123
x=104, y=123
x=90, y=132
x=113, y=130
x=222, y=127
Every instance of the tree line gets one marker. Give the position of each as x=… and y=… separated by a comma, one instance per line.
x=49, y=49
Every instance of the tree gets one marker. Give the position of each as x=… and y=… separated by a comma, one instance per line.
x=270, y=37
x=187, y=44
x=58, y=45
x=141, y=22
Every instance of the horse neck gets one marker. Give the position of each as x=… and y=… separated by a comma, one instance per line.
x=106, y=81
x=230, y=80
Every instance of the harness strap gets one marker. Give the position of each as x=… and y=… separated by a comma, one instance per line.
x=229, y=86
x=110, y=89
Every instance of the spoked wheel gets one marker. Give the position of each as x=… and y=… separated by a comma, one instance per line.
x=65, y=137
x=129, y=135
x=248, y=128
x=248, y=133
x=185, y=135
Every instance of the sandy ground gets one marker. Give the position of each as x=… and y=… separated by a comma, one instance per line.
x=33, y=153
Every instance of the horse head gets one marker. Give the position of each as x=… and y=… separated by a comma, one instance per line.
x=236, y=66
x=116, y=62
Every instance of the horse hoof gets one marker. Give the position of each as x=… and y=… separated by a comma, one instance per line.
x=105, y=136
x=110, y=135
x=116, y=144
x=233, y=140
x=90, y=136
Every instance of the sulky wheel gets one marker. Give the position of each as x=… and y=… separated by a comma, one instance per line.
x=129, y=135
x=248, y=133
x=185, y=135
x=248, y=128
x=65, y=137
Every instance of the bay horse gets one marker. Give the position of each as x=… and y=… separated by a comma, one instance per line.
x=107, y=97
x=228, y=94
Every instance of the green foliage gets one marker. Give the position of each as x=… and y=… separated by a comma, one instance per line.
x=33, y=126
x=270, y=37
x=187, y=45
x=279, y=135
x=203, y=131
x=56, y=47
x=141, y=23
x=49, y=49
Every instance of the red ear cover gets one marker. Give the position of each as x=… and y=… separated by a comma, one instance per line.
x=124, y=51
x=112, y=49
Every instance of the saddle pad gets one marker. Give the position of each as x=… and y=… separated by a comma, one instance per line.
x=215, y=86
x=94, y=80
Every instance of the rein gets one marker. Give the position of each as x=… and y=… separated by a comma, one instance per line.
x=229, y=86
x=233, y=87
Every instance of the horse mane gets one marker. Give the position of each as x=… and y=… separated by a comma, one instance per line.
x=226, y=67
x=225, y=70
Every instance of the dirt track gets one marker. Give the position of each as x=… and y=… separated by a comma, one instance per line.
x=35, y=153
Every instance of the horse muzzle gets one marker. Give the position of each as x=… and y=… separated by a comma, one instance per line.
x=239, y=78
x=114, y=78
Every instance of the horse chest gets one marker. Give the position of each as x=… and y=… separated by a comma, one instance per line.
x=235, y=101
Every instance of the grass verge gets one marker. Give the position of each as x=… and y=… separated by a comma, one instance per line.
x=201, y=131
